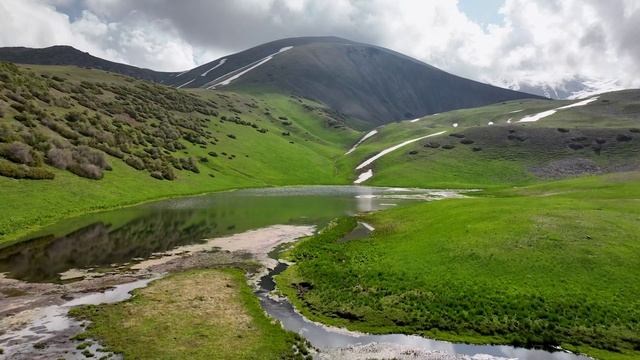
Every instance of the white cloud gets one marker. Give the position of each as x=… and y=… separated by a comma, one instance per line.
x=134, y=40
x=541, y=42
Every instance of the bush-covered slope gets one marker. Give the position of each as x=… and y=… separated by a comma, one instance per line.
x=115, y=140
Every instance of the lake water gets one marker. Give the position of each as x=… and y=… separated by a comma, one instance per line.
x=118, y=236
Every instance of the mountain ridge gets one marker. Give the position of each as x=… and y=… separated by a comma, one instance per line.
x=370, y=83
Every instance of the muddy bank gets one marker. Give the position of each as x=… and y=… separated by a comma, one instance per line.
x=33, y=315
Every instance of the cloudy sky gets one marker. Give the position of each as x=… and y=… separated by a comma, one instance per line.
x=497, y=41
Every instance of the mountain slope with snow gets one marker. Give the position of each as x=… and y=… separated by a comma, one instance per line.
x=367, y=82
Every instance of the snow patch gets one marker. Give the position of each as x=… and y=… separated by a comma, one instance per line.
x=538, y=116
x=509, y=120
x=393, y=148
x=182, y=73
x=455, y=125
x=187, y=83
x=368, y=135
x=220, y=63
x=420, y=118
x=515, y=111
x=367, y=226
x=490, y=123
x=243, y=70
x=364, y=177
x=579, y=103
x=544, y=114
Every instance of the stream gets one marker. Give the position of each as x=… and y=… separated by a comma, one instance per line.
x=59, y=255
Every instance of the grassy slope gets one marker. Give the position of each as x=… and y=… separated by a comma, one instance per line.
x=548, y=264
x=260, y=160
x=203, y=314
x=501, y=162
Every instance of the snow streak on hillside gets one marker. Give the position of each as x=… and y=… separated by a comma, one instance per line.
x=544, y=114
x=229, y=77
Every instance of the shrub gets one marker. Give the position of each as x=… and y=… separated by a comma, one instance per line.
x=15, y=171
x=7, y=134
x=231, y=136
x=157, y=175
x=189, y=164
x=61, y=129
x=623, y=137
x=433, y=145
x=74, y=116
x=135, y=162
x=168, y=173
x=86, y=155
x=20, y=153
x=86, y=170
x=59, y=158
x=466, y=141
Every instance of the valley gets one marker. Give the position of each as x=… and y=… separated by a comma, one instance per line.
x=258, y=196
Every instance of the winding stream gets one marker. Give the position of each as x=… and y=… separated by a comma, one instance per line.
x=115, y=238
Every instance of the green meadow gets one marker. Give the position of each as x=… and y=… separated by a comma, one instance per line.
x=547, y=265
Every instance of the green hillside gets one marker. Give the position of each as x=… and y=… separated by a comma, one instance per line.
x=97, y=140
x=600, y=137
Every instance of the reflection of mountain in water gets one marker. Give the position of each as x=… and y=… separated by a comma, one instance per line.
x=44, y=258
x=102, y=239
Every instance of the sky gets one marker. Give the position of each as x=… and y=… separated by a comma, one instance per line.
x=504, y=42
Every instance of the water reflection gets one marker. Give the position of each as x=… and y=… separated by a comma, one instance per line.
x=118, y=236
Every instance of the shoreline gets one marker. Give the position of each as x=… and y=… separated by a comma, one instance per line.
x=8, y=240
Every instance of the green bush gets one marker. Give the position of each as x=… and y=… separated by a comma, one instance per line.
x=168, y=173
x=59, y=158
x=74, y=116
x=20, y=153
x=135, y=162
x=16, y=171
x=86, y=170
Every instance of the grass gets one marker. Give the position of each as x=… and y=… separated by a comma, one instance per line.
x=507, y=154
x=250, y=159
x=198, y=314
x=552, y=264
